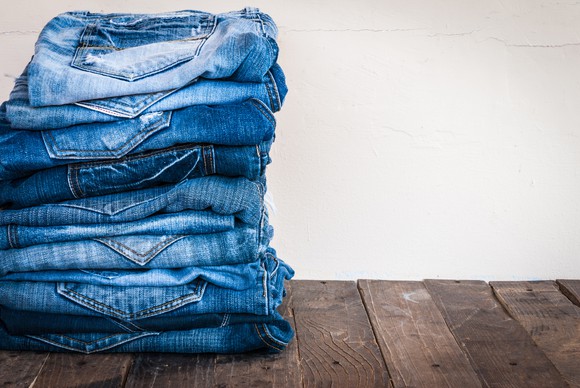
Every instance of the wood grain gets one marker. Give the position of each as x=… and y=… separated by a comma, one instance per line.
x=207, y=370
x=19, y=369
x=101, y=370
x=335, y=339
x=500, y=350
x=570, y=288
x=418, y=348
x=550, y=319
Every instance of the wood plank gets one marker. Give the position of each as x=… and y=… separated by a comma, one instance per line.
x=83, y=370
x=551, y=320
x=19, y=369
x=500, y=350
x=336, y=343
x=235, y=370
x=570, y=288
x=418, y=348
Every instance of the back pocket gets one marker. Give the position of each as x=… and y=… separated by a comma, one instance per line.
x=130, y=47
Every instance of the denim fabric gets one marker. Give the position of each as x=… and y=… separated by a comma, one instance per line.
x=18, y=322
x=133, y=172
x=239, y=245
x=84, y=56
x=22, y=115
x=187, y=222
x=255, y=288
x=222, y=195
x=23, y=152
x=243, y=337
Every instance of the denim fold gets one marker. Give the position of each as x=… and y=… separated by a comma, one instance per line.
x=138, y=171
x=85, y=56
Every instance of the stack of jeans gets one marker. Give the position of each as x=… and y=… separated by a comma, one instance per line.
x=133, y=151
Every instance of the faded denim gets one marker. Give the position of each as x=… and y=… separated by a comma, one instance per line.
x=85, y=56
x=227, y=196
x=254, y=288
x=173, y=165
x=187, y=222
x=22, y=115
x=246, y=124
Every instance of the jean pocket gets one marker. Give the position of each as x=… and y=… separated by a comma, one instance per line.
x=139, y=249
x=90, y=343
x=139, y=171
x=131, y=47
x=103, y=140
x=132, y=303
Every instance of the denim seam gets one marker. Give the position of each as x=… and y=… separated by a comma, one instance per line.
x=269, y=86
x=260, y=106
x=136, y=157
x=225, y=320
x=12, y=232
x=261, y=23
x=120, y=74
x=64, y=346
x=208, y=160
x=73, y=182
x=272, y=337
x=266, y=341
x=154, y=126
x=154, y=310
x=159, y=247
x=123, y=326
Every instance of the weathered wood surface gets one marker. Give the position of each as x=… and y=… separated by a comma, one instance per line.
x=237, y=370
x=65, y=370
x=19, y=369
x=570, y=288
x=335, y=339
x=501, y=351
x=550, y=319
x=415, y=341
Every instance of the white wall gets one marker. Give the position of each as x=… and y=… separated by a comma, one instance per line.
x=418, y=140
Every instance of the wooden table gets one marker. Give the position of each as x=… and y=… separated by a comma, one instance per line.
x=370, y=333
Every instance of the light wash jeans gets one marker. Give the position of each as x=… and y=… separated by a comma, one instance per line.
x=85, y=56
x=22, y=115
x=226, y=196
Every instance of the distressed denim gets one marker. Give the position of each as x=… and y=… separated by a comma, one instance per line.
x=173, y=165
x=243, y=337
x=238, y=245
x=254, y=288
x=22, y=115
x=24, y=152
x=85, y=56
x=194, y=318
x=227, y=196
x=187, y=222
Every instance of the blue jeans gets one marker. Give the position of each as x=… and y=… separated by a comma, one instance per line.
x=138, y=310
x=108, y=252
x=18, y=322
x=193, y=318
x=24, y=152
x=222, y=195
x=187, y=222
x=85, y=56
x=254, y=288
x=22, y=115
x=243, y=337
x=136, y=171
